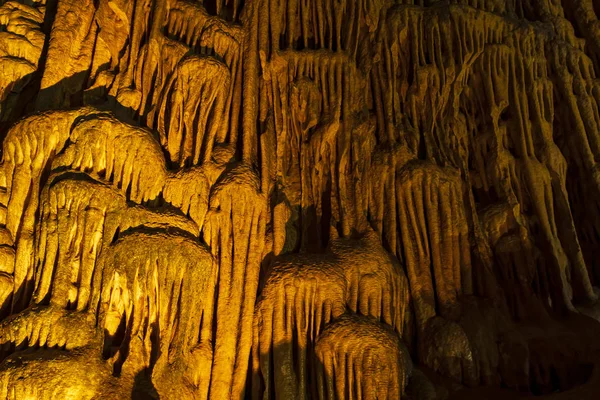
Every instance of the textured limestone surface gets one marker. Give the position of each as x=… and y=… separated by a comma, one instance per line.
x=300, y=199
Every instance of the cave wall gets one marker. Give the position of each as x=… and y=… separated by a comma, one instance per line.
x=299, y=199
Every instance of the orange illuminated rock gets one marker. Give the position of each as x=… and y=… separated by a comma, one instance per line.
x=299, y=199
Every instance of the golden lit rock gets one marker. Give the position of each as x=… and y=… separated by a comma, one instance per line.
x=315, y=199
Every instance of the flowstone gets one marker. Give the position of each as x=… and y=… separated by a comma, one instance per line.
x=299, y=199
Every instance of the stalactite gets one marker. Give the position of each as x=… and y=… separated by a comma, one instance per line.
x=434, y=238
x=113, y=150
x=575, y=74
x=49, y=327
x=28, y=149
x=383, y=215
x=189, y=189
x=57, y=374
x=192, y=110
x=361, y=359
x=187, y=27
x=533, y=178
x=310, y=24
x=301, y=294
x=235, y=229
x=377, y=286
x=21, y=45
x=517, y=260
x=303, y=89
x=79, y=218
x=293, y=198
x=69, y=54
x=162, y=285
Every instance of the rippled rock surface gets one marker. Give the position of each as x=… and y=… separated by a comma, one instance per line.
x=299, y=199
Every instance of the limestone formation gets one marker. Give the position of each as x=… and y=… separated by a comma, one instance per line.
x=299, y=199
x=361, y=359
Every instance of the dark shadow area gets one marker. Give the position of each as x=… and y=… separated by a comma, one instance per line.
x=143, y=389
x=20, y=100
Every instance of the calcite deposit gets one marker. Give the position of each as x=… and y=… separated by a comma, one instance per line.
x=299, y=199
